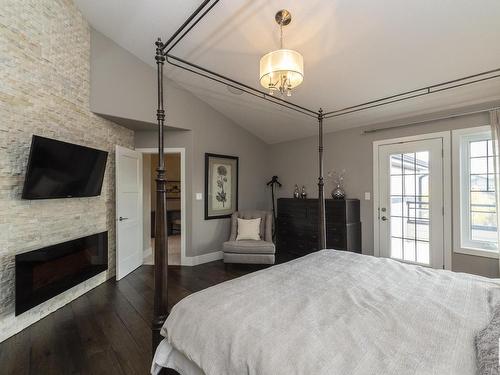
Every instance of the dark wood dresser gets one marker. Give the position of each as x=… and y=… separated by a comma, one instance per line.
x=297, y=225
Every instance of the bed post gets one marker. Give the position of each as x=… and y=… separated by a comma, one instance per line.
x=160, y=311
x=321, y=192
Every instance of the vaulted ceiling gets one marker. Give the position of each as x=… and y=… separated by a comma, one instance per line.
x=354, y=51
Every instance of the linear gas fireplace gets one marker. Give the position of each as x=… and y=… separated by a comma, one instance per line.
x=44, y=273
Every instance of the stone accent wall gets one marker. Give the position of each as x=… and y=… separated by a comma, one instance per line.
x=44, y=90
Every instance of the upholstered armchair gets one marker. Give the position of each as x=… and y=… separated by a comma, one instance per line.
x=251, y=251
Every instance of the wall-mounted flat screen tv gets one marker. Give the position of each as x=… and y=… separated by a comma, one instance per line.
x=63, y=170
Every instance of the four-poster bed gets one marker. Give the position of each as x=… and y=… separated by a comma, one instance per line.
x=161, y=312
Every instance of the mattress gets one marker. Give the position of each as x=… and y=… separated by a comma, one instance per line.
x=331, y=312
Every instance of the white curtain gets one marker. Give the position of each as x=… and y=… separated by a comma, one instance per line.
x=495, y=132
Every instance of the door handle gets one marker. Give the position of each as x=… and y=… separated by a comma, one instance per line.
x=122, y=218
x=383, y=218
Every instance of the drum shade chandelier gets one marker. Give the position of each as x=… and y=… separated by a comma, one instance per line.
x=282, y=70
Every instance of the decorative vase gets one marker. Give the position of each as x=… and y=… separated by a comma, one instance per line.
x=296, y=193
x=303, y=194
x=338, y=192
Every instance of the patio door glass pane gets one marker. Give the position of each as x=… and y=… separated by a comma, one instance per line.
x=409, y=207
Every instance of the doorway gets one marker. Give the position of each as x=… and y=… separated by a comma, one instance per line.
x=176, y=227
x=409, y=188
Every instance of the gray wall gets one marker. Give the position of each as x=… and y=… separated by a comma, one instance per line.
x=122, y=86
x=206, y=236
x=296, y=163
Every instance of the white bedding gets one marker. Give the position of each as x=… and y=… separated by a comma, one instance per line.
x=333, y=312
x=168, y=356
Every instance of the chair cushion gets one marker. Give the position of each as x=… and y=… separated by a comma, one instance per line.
x=249, y=247
x=248, y=229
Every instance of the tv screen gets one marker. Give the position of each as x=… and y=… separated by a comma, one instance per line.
x=63, y=170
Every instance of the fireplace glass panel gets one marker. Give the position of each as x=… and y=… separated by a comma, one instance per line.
x=44, y=273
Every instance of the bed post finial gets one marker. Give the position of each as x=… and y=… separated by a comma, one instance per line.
x=321, y=183
x=160, y=311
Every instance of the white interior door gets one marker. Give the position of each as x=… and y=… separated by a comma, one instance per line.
x=128, y=211
x=410, y=202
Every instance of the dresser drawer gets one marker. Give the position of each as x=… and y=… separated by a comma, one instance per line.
x=335, y=228
x=336, y=216
x=292, y=210
x=336, y=241
x=294, y=231
x=297, y=247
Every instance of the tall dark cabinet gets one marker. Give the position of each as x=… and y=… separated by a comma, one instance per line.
x=297, y=225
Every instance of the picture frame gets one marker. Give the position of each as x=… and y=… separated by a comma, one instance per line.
x=221, y=185
x=173, y=189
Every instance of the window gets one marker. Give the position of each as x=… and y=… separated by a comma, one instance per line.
x=475, y=193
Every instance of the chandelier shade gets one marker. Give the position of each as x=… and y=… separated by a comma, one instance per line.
x=282, y=70
x=283, y=67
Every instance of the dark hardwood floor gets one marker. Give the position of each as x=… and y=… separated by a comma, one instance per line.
x=107, y=330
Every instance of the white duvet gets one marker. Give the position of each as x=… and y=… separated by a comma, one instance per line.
x=333, y=312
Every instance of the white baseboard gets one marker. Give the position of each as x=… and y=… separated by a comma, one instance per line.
x=189, y=261
x=200, y=259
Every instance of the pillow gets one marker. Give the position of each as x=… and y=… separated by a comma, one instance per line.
x=248, y=229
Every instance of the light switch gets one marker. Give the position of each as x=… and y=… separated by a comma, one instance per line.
x=367, y=196
x=199, y=196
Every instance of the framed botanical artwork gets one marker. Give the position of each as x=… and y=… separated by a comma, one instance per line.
x=221, y=186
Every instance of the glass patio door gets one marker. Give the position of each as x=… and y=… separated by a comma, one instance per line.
x=410, y=206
